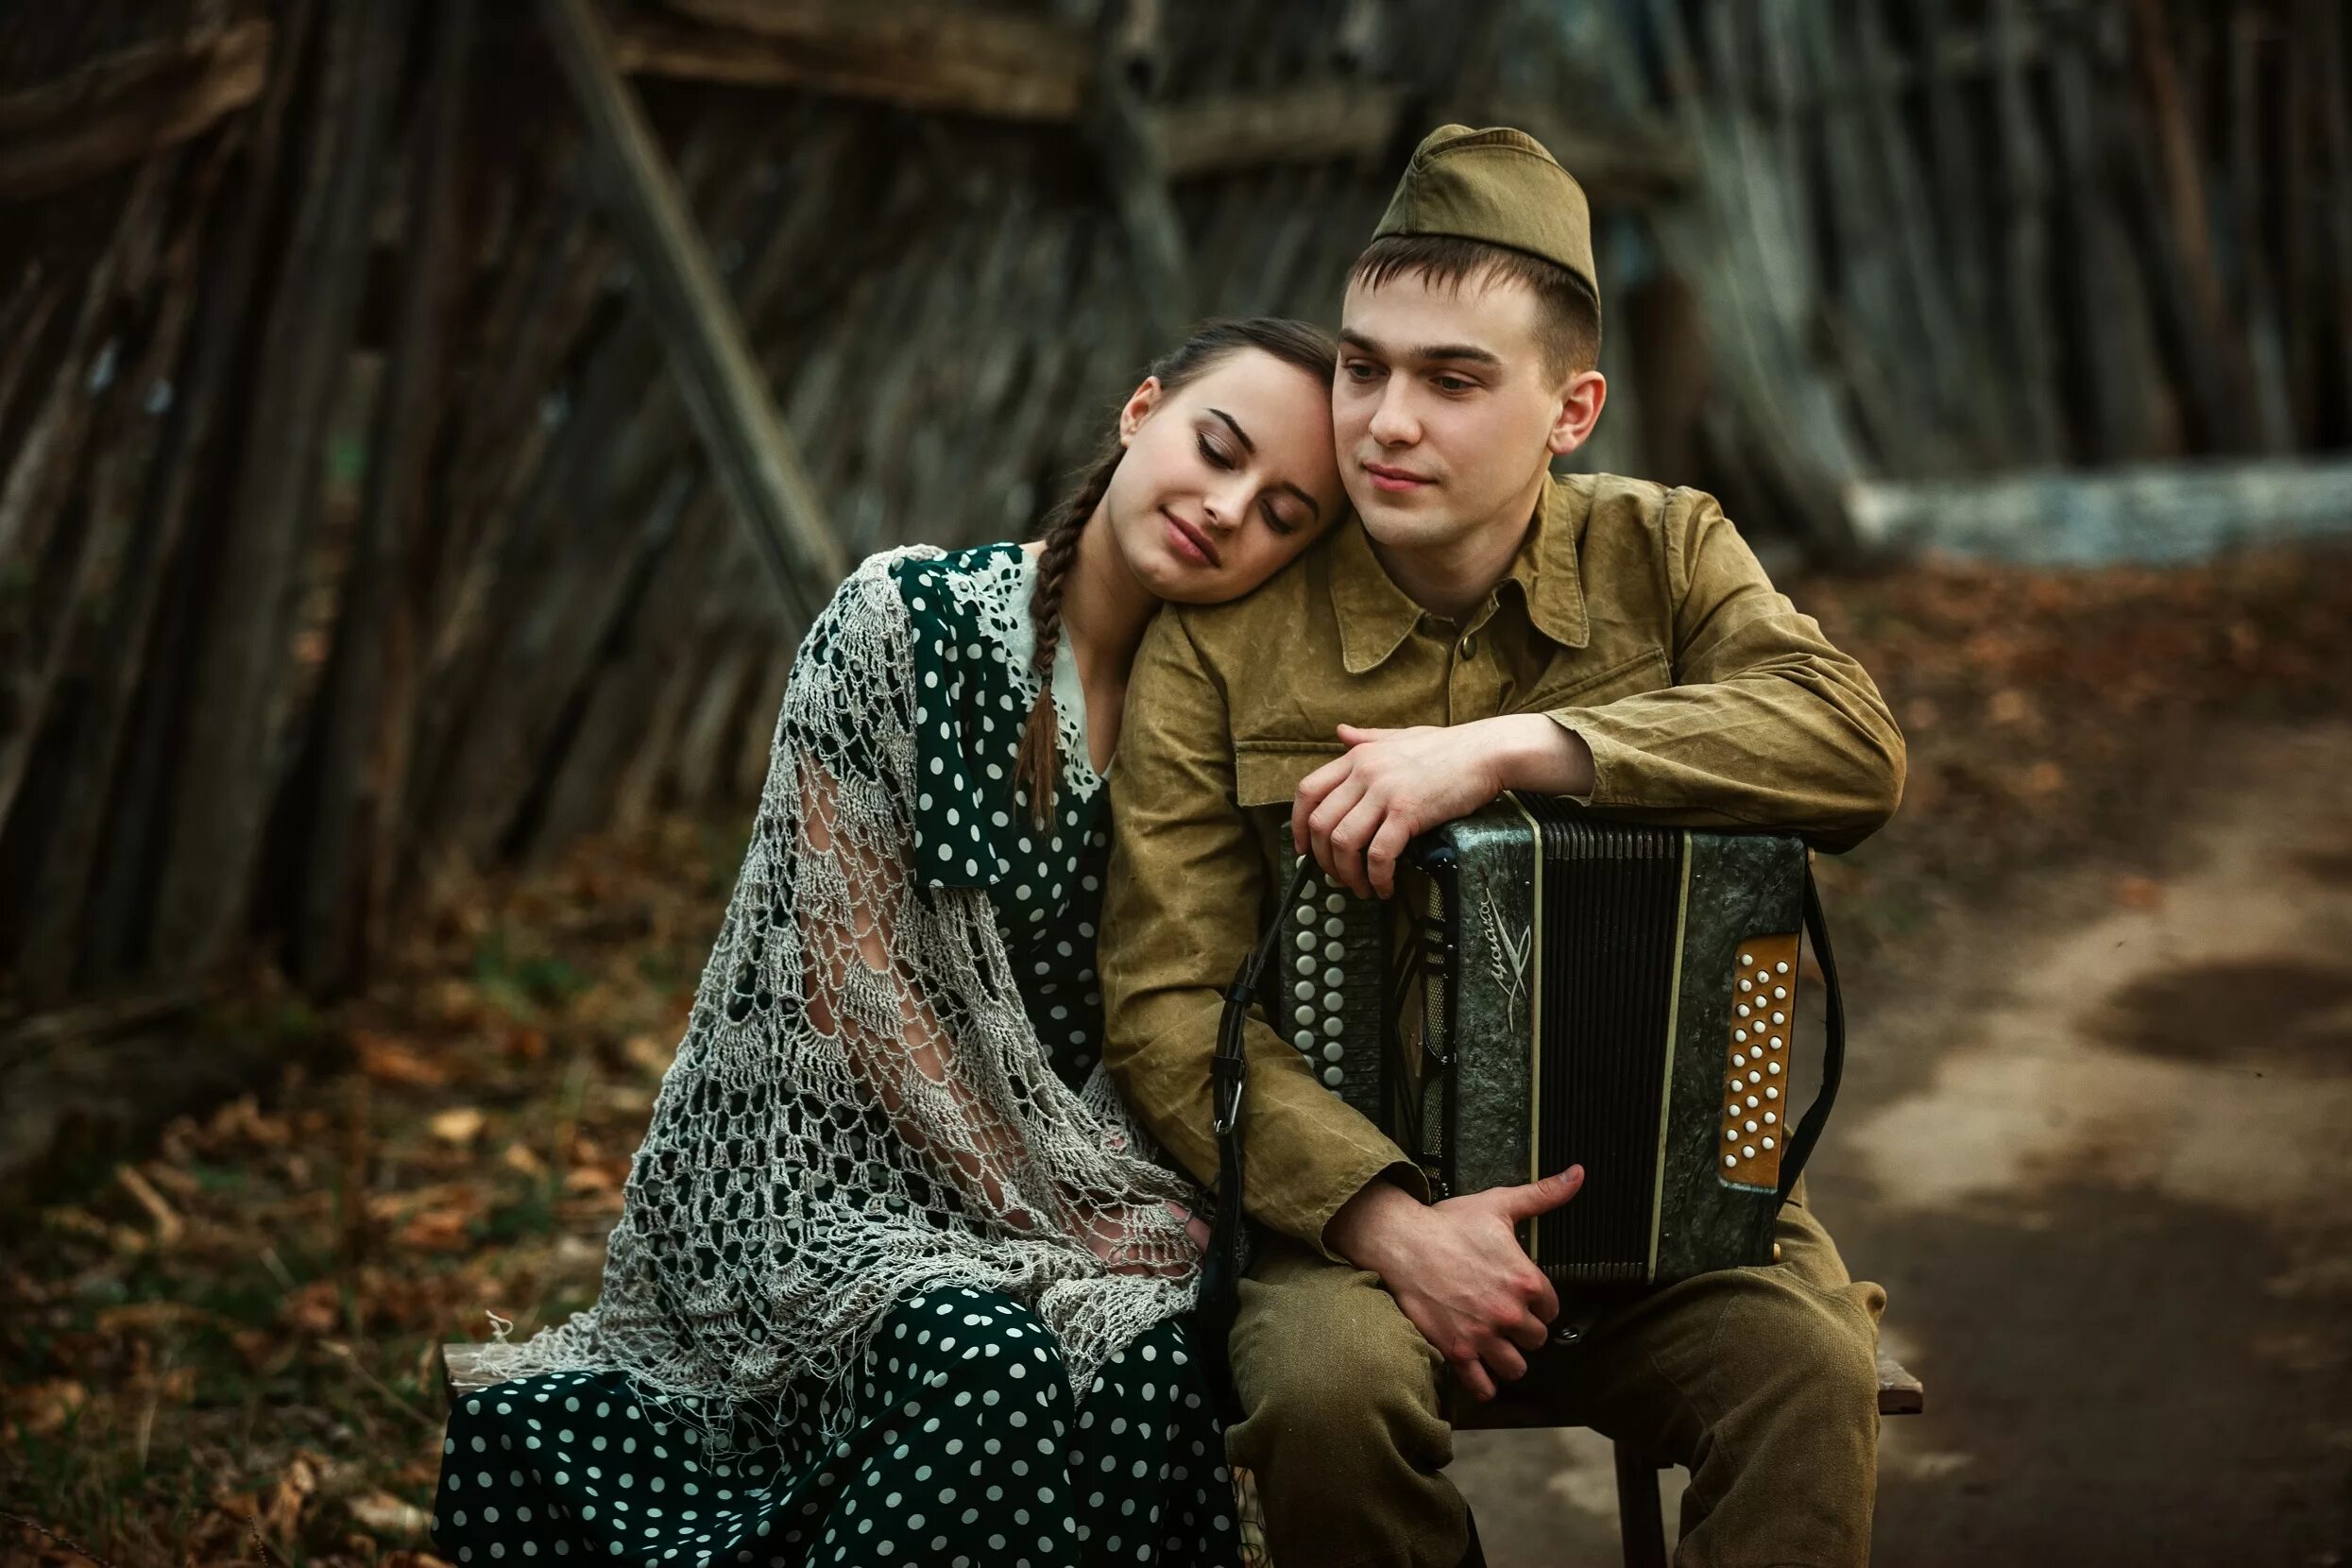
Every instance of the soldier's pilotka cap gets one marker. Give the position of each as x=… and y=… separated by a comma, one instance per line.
x=1497, y=185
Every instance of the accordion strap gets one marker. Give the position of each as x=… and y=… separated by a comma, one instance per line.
x=1808, y=1131
x=1229, y=1250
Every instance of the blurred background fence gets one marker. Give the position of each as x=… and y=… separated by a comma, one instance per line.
x=378, y=502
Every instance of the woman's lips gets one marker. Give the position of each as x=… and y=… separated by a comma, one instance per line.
x=1189, y=542
x=1394, y=480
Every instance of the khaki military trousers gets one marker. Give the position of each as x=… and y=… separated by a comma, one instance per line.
x=1762, y=1382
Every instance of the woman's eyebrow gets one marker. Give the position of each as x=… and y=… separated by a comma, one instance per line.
x=1313, y=507
x=1239, y=434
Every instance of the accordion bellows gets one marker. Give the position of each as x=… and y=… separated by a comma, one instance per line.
x=1552, y=988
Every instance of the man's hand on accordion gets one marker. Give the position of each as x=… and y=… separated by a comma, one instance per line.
x=1457, y=1271
x=1357, y=813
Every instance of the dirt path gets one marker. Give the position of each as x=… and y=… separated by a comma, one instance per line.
x=2099, y=1149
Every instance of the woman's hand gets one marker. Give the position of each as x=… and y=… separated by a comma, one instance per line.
x=1112, y=1235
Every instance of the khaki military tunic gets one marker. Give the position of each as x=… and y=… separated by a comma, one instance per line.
x=1632, y=614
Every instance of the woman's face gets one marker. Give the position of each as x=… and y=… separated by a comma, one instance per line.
x=1224, y=480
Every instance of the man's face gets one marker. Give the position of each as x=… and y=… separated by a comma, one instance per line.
x=1442, y=411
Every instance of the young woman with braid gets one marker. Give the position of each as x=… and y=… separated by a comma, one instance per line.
x=897, y=1279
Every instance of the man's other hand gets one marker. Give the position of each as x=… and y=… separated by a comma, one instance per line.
x=1457, y=1271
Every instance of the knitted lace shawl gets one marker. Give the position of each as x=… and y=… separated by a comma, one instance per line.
x=859, y=1109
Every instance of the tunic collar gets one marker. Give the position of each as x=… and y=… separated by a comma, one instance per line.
x=1375, y=615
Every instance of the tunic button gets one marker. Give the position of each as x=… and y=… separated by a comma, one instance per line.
x=1470, y=647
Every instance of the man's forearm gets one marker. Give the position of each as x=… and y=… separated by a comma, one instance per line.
x=1537, y=754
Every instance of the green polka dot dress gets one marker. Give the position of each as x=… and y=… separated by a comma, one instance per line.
x=969, y=1446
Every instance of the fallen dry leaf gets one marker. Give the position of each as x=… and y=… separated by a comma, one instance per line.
x=45, y=1407
x=390, y=1515
x=459, y=1124
x=387, y=1060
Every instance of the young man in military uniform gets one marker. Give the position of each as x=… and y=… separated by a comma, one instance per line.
x=1487, y=628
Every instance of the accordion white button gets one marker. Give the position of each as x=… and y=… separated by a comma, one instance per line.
x=1333, y=903
x=1738, y=1061
x=1333, y=952
x=1307, y=915
x=1304, y=990
x=1739, y=1035
x=1780, y=968
x=1773, y=1067
x=1772, y=1093
x=1331, y=1026
x=1746, y=984
x=1748, y=959
x=1334, y=928
x=1768, y=1143
x=1332, y=978
x=1306, y=942
x=1774, y=1042
x=1758, y=1077
x=1333, y=1001
x=1747, y=1150
x=1780, y=1017
x=1751, y=1105
x=1306, y=965
x=1730, y=1159
x=1334, y=1077
x=1771, y=1117
x=1751, y=1124
x=1745, y=1010
x=1778, y=991
x=1730, y=1135
x=1303, y=1040
x=1332, y=1052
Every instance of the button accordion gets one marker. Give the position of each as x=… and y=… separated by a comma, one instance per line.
x=1551, y=988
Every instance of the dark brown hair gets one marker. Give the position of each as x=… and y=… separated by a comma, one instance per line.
x=1294, y=343
x=1569, y=329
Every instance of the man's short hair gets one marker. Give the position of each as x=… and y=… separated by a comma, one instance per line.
x=1568, y=328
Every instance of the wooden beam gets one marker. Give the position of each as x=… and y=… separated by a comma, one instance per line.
x=953, y=60
x=128, y=106
x=2156, y=512
x=1220, y=131
x=750, y=450
x=1124, y=139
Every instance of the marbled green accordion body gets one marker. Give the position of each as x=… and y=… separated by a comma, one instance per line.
x=1552, y=988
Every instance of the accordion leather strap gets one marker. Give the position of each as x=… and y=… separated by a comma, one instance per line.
x=1230, y=1241
x=1833, y=1045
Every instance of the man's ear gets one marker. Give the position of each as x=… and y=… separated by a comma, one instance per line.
x=1579, y=411
x=1137, y=409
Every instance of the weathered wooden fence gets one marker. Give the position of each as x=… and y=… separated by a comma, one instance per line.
x=360, y=523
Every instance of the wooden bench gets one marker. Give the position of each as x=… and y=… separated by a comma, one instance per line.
x=1641, y=1516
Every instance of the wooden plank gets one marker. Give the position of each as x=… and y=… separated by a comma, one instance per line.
x=128, y=106
x=1212, y=132
x=2153, y=512
x=1122, y=135
x=366, y=707
x=1901, y=1394
x=943, y=58
x=2035, y=433
x=242, y=683
x=98, y=885
x=749, y=448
